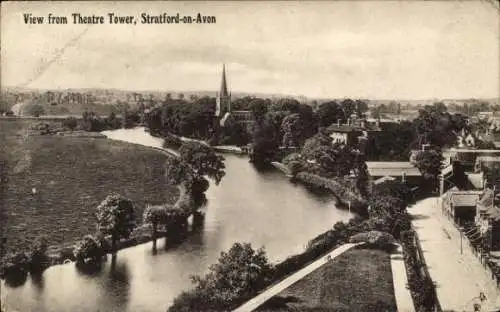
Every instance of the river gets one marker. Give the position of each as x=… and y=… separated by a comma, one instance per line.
x=263, y=208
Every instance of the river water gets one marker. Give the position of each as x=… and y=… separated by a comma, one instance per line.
x=262, y=208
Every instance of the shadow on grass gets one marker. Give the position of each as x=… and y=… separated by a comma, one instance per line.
x=278, y=302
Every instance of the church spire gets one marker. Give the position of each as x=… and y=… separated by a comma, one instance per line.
x=223, y=85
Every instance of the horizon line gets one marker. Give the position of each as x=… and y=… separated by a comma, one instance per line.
x=4, y=87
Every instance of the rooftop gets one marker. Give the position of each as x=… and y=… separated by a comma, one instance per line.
x=392, y=168
x=461, y=199
x=488, y=158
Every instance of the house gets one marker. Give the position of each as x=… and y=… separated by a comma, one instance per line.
x=483, y=162
x=488, y=220
x=461, y=205
x=403, y=171
x=354, y=132
x=345, y=134
x=493, y=136
x=466, y=139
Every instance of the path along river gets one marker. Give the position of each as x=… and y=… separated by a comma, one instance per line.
x=262, y=208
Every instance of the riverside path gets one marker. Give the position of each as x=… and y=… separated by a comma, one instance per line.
x=459, y=277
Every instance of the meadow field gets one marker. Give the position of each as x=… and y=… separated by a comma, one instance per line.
x=358, y=280
x=71, y=175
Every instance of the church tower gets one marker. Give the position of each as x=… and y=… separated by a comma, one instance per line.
x=223, y=97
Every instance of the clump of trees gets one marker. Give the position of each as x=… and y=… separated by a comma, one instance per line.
x=15, y=266
x=115, y=217
x=179, y=117
x=237, y=276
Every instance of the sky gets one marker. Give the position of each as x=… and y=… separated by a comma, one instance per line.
x=373, y=49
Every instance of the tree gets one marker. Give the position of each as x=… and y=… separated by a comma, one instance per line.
x=292, y=130
x=115, y=217
x=330, y=112
x=15, y=266
x=155, y=216
x=429, y=163
x=286, y=104
x=265, y=142
x=203, y=160
x=89, y=251
x=35, y=110
x=39, y=258
x=349, y=107
x=237, y=276
x=259, y=108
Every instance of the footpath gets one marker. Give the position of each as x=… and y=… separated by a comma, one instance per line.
x=460, y=278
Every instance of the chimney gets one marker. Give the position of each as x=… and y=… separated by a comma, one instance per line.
x=338, y=122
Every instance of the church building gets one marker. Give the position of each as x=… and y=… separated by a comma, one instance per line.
x=223, y=104
x=223, y=109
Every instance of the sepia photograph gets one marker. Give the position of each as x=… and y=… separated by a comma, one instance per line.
x=272, y=156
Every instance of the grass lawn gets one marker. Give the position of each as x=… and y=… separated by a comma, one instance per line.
x=71, y=176
x=358, y=280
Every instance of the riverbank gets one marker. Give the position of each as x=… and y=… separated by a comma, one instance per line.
x=340, y=189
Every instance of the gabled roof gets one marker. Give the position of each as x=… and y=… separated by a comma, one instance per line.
x=464, y=200
x=344, y=128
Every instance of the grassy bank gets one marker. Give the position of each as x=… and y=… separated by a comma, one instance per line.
x=71, y=177
x=358, y=280
x=340, y=188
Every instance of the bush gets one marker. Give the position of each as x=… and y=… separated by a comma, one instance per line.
x=40, y=128
x=70, y=123
x=39, y=259
x=89, y=251
x=373, y=237
x=238, y=275
x=171, y=141
x=15, y=265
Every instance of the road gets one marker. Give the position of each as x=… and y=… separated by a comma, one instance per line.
x=459, y=278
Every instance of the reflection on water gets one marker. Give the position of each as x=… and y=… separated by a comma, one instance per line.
x=261, y=207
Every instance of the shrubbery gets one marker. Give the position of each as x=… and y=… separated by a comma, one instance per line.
x=15, y=265
x=421, y=285
x=89, y=251
x=238, y=275
x=39, y=259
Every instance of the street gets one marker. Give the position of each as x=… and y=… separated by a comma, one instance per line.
x=459, y=278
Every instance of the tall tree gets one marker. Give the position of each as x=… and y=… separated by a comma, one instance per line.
x=429, y=162
x=292, y=130
x=115, y=217
x=154, y=216
x=203, y=160
x=330, y=112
